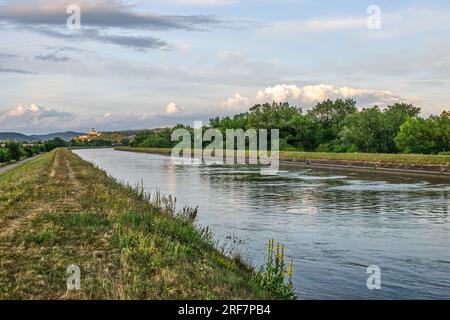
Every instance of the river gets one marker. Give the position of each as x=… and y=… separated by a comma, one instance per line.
x=333, y=224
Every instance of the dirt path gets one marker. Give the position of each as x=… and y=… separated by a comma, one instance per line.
x=16, y=164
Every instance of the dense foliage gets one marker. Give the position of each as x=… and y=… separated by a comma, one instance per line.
x=14, y=151
x=427, y=136
x=157, y=138
x=333, y=126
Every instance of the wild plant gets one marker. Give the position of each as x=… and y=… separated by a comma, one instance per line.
x=274, y=275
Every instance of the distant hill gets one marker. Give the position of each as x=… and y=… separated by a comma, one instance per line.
x=66, y=136
x=14, y=136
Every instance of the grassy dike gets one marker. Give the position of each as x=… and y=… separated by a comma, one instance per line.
x=369, y=158
x=398, y=164
x=57, y=210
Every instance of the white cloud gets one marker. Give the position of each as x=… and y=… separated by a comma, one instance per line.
x=24, y=117
x=36, y=119
x=310, y=95
x=172, y=108
x=237, y=102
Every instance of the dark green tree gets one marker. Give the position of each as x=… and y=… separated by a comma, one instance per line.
x=331, y=115
x=15, y=150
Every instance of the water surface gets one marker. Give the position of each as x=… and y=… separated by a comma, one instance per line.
x=334, y=224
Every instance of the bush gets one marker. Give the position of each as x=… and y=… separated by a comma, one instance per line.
x=4, y=155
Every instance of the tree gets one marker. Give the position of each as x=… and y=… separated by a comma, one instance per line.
x=304, y=132
x=262, y=116
x=366, y=131
x=427, y=136
x=15, y=150
x=271, y=116
x=373, y=130
x=53, y=144
x=157, y=138
x=443, y=129
x=403, y=110
x=395, y=116
x=331, y=115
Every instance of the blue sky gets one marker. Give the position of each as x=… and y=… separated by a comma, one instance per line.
x=140, y=64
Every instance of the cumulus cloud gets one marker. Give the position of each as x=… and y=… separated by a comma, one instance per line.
x=172, y=108
x=24, y=117
x=310, y=95
x=34, y=119
x=237, y=102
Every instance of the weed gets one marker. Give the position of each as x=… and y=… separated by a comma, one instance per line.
x=274, y=276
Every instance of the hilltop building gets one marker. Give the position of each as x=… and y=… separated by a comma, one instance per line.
x=89, y=136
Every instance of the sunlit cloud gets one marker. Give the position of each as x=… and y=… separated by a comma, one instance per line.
x=172, y=108
x=311, y=94
x=237, y=102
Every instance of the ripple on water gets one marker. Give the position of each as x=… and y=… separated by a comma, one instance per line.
x=380, y=186
x=303, y=175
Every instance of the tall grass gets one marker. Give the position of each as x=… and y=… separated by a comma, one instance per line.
x=275, y=276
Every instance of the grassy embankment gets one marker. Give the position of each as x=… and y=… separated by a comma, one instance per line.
x=370, y=158
x=57, y=210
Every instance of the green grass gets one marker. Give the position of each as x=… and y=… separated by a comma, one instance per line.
x=410, y=159
x=57, y=210
x=40, y=237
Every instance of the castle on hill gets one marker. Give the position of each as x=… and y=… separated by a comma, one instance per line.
x=89, y=136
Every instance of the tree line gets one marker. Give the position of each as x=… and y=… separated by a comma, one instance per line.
x=332, y=126
x=14, y=151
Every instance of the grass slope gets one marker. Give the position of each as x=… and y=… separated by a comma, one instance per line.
x=57, y=210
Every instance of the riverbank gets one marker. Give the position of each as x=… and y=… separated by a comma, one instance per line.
x=403, y=164
x=58, y=210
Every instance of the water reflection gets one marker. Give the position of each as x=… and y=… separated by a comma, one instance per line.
x=334, y=224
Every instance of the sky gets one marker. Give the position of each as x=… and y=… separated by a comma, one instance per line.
x=146, y=64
